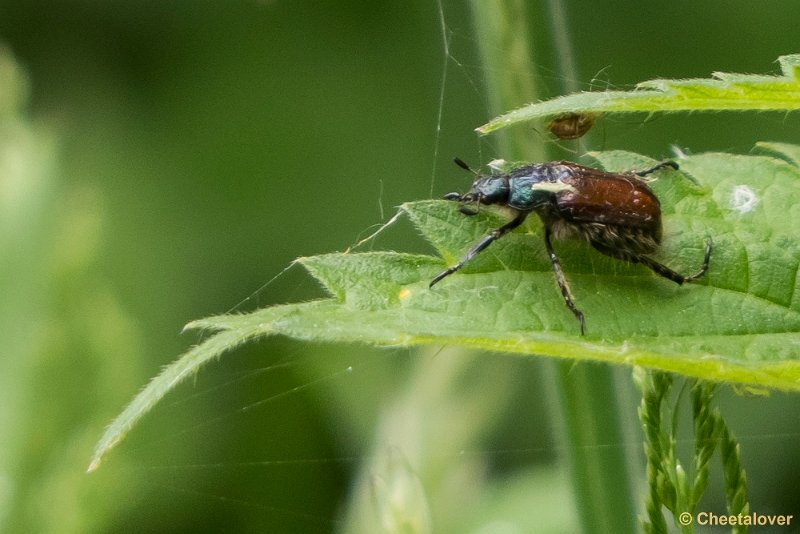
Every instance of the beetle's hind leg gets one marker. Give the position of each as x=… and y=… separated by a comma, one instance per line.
x=656, y=267
x=662, y=165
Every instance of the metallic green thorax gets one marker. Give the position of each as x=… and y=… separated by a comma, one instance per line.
x=524, y=188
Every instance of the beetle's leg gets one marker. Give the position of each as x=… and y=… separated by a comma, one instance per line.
x=666, y=272
x=494, y=235
x=662, y=165
x=562, y=280
x=657, y=267
x=706, y=260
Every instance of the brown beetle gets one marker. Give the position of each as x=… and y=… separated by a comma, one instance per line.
x=617, y=213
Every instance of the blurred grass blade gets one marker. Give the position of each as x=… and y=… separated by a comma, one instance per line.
x=723, y=92
x=740, y=324
x=14, y=86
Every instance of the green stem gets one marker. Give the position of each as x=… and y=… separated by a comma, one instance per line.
x=654, y=388
x=505, y=47
x=735, y=479
x=586, y=406
x=591, y=430
x=706, y=424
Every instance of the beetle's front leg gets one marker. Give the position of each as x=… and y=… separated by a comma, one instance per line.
x=494, y=235
x=562, y=280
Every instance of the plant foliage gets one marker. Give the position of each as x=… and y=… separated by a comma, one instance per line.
x=739, y=324
x=724, y=91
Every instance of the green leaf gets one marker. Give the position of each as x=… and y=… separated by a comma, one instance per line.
x=723, y=92
x=739, y=324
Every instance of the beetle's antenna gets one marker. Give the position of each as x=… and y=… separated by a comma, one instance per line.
x=460, y=163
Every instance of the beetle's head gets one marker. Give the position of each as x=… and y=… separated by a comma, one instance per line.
x=485, y=190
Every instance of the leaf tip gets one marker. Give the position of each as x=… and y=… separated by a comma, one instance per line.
x=109, y=440
x=93, y=465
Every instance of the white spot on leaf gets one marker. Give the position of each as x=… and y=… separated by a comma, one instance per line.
x=743, y=199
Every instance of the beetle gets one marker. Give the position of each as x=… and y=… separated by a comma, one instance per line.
x=617, y=213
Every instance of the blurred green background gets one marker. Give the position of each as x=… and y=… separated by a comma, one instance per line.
x=161, y=161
